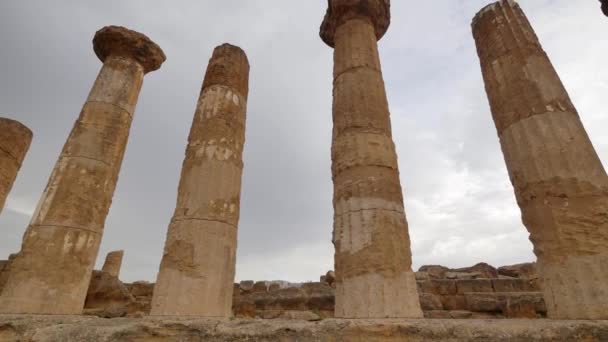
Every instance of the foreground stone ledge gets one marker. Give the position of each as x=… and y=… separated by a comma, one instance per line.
x=75, y=328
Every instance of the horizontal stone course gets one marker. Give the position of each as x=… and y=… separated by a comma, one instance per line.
x=76, y=329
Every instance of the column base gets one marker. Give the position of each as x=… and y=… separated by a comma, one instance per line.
x=376, y=296
x=576, y=287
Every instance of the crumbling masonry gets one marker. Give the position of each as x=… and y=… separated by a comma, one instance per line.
x=374, y=277
x=51, y=273
x=559, y=181
x=15, y=141
x=113, y=263
x=198, y=266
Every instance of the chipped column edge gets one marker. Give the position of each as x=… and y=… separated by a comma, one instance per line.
x=484, y=10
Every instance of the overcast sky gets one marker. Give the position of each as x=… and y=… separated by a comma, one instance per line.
x=460, y=204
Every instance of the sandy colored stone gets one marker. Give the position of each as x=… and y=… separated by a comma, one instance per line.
x=559, y=181
x=51, y=273
x=15, y=140
x=485, y=271
x=515, y=285
x=525, y=270
x=107, y=292
x=374, y=277
x=197, y=270
x=114, y=41
x=113, y=263
x=434, y=271
x=429, y=302
x=474, y=285
x=77, y=329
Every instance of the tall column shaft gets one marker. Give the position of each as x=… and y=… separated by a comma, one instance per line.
x=197, y=269
x=113, y=263
x=15, y=140
x=51, y=273
x=374, y=278
x=559, y=181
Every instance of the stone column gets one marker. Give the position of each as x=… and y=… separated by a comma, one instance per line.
x=559, y=181
x=374, y=277
x=197, y=270
x=52, y=271
x=15, y=140
x=113, y=263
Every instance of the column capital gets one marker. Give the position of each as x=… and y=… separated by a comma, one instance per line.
x=340, y=11
x=120, y=41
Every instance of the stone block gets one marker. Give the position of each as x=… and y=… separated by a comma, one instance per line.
x=434, y=271
x=474, y=285
x=481, y=270
x=246, y=285
x=429, y=301
x=422, y=276
x=260, y=286
x=436, y=314
x=141, y=289
x=527, y=270
x=454, y=302
x=514, y=285
x=484, y=302
x=438, y=286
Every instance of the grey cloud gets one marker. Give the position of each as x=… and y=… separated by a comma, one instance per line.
x=459, y=201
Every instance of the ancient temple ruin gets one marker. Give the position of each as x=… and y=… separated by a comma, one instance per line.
x=559, y=181
x=113, y=263
x=15, y=140
x=198, y=266
x=51, y=273
x=373, y=262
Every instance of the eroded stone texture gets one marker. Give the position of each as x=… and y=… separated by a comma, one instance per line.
x=559, y=181
x=51, y=273
x=197, y=270
x=374, y=278
x=113, y=263
x=78, y=329
x=15, y=140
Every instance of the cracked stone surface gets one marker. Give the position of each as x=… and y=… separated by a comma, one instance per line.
x=113, y=263
x=51, y=273
x=72, y=329
x=15, y=140
x=197, y=270
x=558, y=178
x=374, y=278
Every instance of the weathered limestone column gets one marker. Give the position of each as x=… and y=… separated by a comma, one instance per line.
x=113, y=263
x=15, y=140
x=374, y=277
x=560, y=183
x=52, y=271
x=197, y=270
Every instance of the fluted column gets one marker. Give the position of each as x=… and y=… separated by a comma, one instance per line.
x=51, y=273
x=559, y=181
x=374, y=278
x=15, y=140
x=113, y=263
x=197, y=269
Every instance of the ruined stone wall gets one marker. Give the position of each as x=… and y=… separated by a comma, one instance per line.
x=481, y=291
